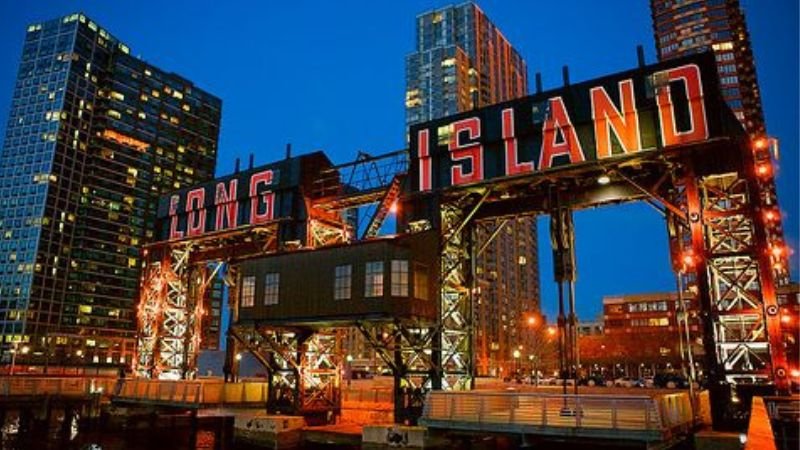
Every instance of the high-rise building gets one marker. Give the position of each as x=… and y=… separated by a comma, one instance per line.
x=685, y=27
x=461, y=62
x=94, y=136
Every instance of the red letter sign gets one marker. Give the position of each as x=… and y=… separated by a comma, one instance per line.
x=513, y=166
x=608, y=118
x=424, y=156
x=464, y=151
x=227, y=207
x=690, y=76
x=558, y=121
x=268, y=198
x=173, y=221
x=195, y=200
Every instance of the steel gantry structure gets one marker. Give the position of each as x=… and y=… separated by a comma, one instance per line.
x=663, y=136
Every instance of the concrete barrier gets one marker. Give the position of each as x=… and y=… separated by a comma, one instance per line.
x=270, y=431
x=399, y=436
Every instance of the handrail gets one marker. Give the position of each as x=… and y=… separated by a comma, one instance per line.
x=501, y=410
x=192, y=392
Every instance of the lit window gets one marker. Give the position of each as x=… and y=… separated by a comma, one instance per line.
x=373, y=282
x=342, y=282
x=272, y=283
x=399, y=278
x=248, y=292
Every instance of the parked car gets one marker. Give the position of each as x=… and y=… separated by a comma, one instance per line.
x=592, y=380
x=644, y=382
x=670, y=381
x=624, y=382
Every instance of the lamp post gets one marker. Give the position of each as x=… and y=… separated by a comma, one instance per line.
x=517, y=354
x=349, y=370
x=237, y=366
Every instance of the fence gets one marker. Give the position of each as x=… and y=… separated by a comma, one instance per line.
x=20, y=386
x=196, y=393
x=635, y=417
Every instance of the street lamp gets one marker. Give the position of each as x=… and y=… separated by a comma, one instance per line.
x=238, y=365
x=517, y=354
x=349, y=369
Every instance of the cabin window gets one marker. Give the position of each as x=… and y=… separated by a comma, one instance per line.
x=399, y=278
x=272, y=283
x=373, y=282
x=248, y=295
x=420, y=282
x=342, y=282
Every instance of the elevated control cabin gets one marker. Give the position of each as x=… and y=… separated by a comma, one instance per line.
x=380, y=279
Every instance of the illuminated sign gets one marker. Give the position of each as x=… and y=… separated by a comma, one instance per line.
x=125, y=140
x=249, y=198
x=647, y=109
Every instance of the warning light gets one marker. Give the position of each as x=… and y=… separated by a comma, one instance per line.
x=770, y=215
x=689, y=260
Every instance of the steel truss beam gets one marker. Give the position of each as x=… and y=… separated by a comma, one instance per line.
x=173, y=293
x=721, y=256
x=406, y=348
x=457, y=284
x=303, y=368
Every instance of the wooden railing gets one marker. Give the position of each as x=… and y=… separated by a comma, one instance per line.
x=197, y=393
x=371, y=395
x=27, y=386
x=635, y=417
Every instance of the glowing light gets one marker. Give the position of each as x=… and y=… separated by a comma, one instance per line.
x=760, y=143
x=795, y=373
x=393, y=208
x=349, y=358
x=238, y=356
x=531, y=321
x=762, y=170
x=551, y=331
x=786, y=319
x=770, y=215
x=603, y=179
x=24, y=350
x=777, y=251
x=516, y=354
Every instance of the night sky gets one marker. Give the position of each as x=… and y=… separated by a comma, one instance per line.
x=330, y=75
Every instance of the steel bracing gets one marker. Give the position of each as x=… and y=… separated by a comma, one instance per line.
x=406, y=348
x=456, y=283
x=303, y=367
x=719, y=251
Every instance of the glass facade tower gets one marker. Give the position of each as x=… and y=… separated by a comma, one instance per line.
x=461, y=62
x=684, y=27
x=94, y=136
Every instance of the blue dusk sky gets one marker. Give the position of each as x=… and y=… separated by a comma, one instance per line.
x=330, y=75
